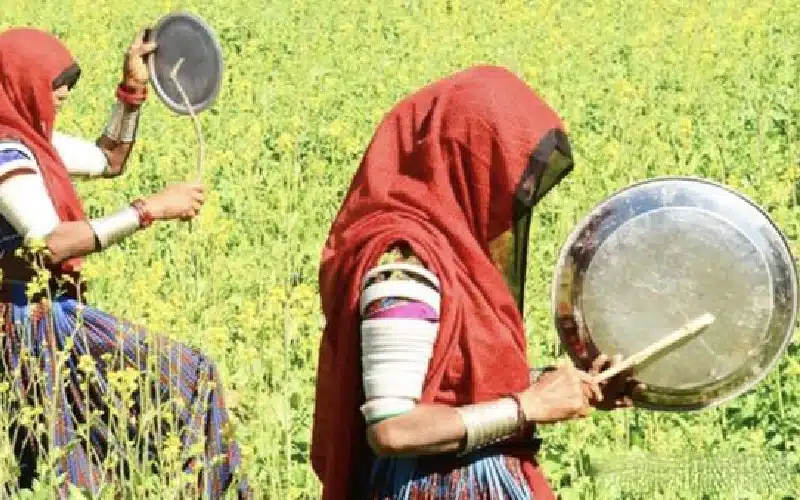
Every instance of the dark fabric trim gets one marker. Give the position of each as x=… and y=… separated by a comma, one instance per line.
x=68, y=77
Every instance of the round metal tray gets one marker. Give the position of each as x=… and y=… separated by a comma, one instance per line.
x=661, y=252
x=183, y=35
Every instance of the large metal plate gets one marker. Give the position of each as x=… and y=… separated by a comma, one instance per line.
x=661, y=252
x=182, y=35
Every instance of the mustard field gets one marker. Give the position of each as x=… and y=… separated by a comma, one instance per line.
x=647, y=88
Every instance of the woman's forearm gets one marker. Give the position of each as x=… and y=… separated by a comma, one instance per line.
x=434, y=429
x=71, y=239
x=425, y=430
x=117, y=154
x=119, y=135
x=76, y=239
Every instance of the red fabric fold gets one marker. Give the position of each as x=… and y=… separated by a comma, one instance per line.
x=30, y=60
x=440, y=173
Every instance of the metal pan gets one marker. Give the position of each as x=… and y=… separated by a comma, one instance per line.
x=660, y=252
x=183, y=35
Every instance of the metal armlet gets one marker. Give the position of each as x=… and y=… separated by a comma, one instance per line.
x=123, y=123
x=113, y=228
x=491, y=422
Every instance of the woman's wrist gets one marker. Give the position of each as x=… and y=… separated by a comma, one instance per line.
x=517, y=398
x=123, y=122
x=132, y=93
x=532, y=406
x=522, y=400
x=146, y=210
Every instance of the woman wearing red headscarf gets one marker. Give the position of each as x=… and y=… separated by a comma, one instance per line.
x=423, y=388
x=39, y=202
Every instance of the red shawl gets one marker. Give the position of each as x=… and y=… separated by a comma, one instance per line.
x=29, y=62
x=439, y=173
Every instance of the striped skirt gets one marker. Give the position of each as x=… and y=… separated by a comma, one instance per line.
x=100, y=400
x=485, y=475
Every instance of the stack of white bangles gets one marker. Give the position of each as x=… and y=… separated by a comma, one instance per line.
x=396, y=350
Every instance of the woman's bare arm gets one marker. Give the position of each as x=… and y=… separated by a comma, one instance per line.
x=71, y=239
x=104, y=158
x=558, y=394
x=76, y=239
x=122, y=125
x=401, y=300
x=25, y=204
x=564, y=393
x=116, y=151
x=425, y=430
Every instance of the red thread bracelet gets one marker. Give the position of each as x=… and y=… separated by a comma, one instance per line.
x=145, y=217
x=131, y=96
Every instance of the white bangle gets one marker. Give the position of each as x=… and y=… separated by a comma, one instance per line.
x=113, y=228
x=379, y=409
x=81, y=157
x=122, y=123
x=25, y=204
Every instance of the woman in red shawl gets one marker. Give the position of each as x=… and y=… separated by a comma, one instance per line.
x=40, y=326
x=423, y=388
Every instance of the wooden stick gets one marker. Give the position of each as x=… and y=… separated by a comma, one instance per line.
x=691, y=328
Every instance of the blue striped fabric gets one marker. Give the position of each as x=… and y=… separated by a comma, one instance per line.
x=74, y=393
x=486, y=476
x=9, y=154
x=9, y=239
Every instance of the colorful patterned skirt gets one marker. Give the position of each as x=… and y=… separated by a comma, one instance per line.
x=90, y=393
x=480, y=476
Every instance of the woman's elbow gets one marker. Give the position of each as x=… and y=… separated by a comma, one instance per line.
x=57, y=248
x=55, y=257
x=387, y=438
x=113, y=171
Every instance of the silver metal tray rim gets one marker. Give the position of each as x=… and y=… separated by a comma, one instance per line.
x=179, y=107
x=767, y=369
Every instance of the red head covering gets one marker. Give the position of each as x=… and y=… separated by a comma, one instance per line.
x=30, y=60
x=440, y=173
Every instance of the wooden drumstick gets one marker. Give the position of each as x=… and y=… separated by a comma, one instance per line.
x=691, y=328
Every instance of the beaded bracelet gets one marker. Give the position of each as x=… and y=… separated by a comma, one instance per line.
x=145, y=217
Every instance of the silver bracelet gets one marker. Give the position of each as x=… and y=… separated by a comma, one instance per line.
x=122, y=123
x=113, y=228
x=489, y=423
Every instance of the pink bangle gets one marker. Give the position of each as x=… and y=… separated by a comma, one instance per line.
x=131, y=97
